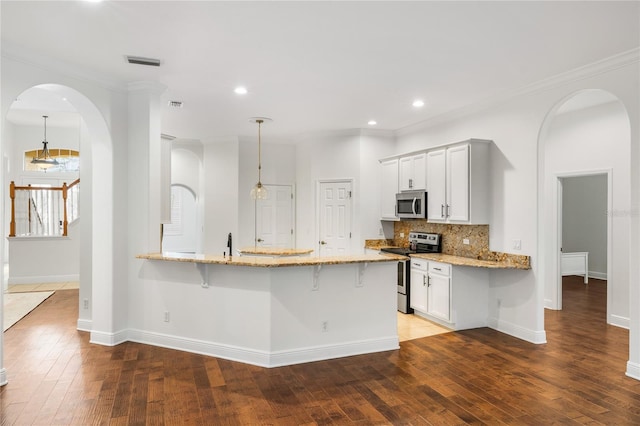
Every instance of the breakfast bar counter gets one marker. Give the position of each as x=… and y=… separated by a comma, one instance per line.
x=268, y=311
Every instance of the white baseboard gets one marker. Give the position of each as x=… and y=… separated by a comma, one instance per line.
x=43, y=279
x=548, y=304
x=319, y=353
x=619, y=321
x=84, y=325
x=633, y=370
x=3, y=377
x=264, y=358
x=108, y=339
x=598, y=275
x=533, y=336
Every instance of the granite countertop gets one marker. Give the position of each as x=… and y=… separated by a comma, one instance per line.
x=270, y=251
x=271, y=262
x=465, y=261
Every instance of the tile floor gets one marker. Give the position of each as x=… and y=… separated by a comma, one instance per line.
x=414, y=327
x=26, y=288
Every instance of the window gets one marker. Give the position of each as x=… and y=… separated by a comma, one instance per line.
x=68, y=159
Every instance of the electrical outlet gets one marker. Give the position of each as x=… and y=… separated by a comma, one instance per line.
x=517, y=244
x=380, y=231
x=465, y=241
x=166, y=316
x=85, y=303
x=402, y=235
x=325, y=326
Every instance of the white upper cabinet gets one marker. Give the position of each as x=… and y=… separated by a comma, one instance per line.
x=388, y=189
x=458, y=183
x=436, y=190
x=413, y=172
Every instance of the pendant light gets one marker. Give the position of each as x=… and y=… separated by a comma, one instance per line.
x=259, y=192
x=44, y=159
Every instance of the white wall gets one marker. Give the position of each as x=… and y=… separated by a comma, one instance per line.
x=278, y=168
x=220, y=191
x=45, y=259
x=584, y=220
x=516, y=297
x=350, y=154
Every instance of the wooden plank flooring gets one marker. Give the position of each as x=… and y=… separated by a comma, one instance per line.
x=476, y=376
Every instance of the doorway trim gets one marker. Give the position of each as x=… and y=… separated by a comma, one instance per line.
x=559, y=213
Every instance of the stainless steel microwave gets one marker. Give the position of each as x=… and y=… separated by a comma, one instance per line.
x=411, y=205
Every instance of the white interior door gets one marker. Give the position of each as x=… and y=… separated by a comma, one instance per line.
x=334, y=228
x=274, y=217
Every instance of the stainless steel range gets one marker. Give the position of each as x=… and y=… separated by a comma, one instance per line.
x=419, y=242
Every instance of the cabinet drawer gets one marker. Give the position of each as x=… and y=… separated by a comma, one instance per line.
x=440, y=268
x=420, y=264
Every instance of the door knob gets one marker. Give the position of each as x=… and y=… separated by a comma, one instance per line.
x=259, y=240
x=323, y=243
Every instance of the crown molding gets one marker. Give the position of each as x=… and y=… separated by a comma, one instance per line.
x=46, y=63
x=146, y=86
x=602, y=66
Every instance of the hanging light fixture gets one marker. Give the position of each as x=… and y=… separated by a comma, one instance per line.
x=259, y=192
x=44, y=160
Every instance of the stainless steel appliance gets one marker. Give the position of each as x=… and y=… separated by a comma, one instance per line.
x=411, y=205
x=419, y=242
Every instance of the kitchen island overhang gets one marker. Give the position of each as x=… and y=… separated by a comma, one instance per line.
x=267, y=311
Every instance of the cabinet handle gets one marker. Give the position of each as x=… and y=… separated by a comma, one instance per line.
x=437, y=269
x=424, y=279
x=441, y=210
x=448, y=210
x=410, y=183
x=428, y=281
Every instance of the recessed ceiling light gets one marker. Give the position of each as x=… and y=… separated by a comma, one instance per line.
x=372, y=122
x=240, y=90
x=418, y=103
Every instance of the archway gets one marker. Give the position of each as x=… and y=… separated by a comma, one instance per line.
x=98, y=288
x=586, y=133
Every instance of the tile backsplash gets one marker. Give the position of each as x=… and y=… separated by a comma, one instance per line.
x=452, y=237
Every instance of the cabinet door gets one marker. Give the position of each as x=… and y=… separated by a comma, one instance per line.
x=436, y=177
x=439, y=296
x=458, y=183
x=418, y=290
x=388, y=189
x=406, y=174
x=419, y=172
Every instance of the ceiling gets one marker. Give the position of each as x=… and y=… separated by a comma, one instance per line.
x=318, y=66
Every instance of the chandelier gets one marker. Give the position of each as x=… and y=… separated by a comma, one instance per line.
x=259, y=192
x=44, y=159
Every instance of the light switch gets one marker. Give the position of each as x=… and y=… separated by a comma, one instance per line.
x=517, y=244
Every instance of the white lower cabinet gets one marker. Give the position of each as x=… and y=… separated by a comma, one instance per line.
x=439, y=291
x=456, y=297
x=419, y=284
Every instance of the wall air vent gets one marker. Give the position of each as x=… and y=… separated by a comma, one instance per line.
x=175, y=104
x=143, y=61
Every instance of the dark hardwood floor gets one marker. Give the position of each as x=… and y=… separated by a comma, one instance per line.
x=476, y=376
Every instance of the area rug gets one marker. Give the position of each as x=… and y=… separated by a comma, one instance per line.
x=17, y=305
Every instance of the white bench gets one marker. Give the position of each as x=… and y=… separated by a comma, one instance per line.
x=576, y=264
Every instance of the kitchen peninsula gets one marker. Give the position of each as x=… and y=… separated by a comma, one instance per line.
x=270, y=311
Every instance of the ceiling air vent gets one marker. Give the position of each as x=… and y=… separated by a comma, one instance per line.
x=175, y=104
x=143, y=61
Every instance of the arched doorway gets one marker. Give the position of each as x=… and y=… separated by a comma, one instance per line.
x=97, y=177
x=586, y=134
